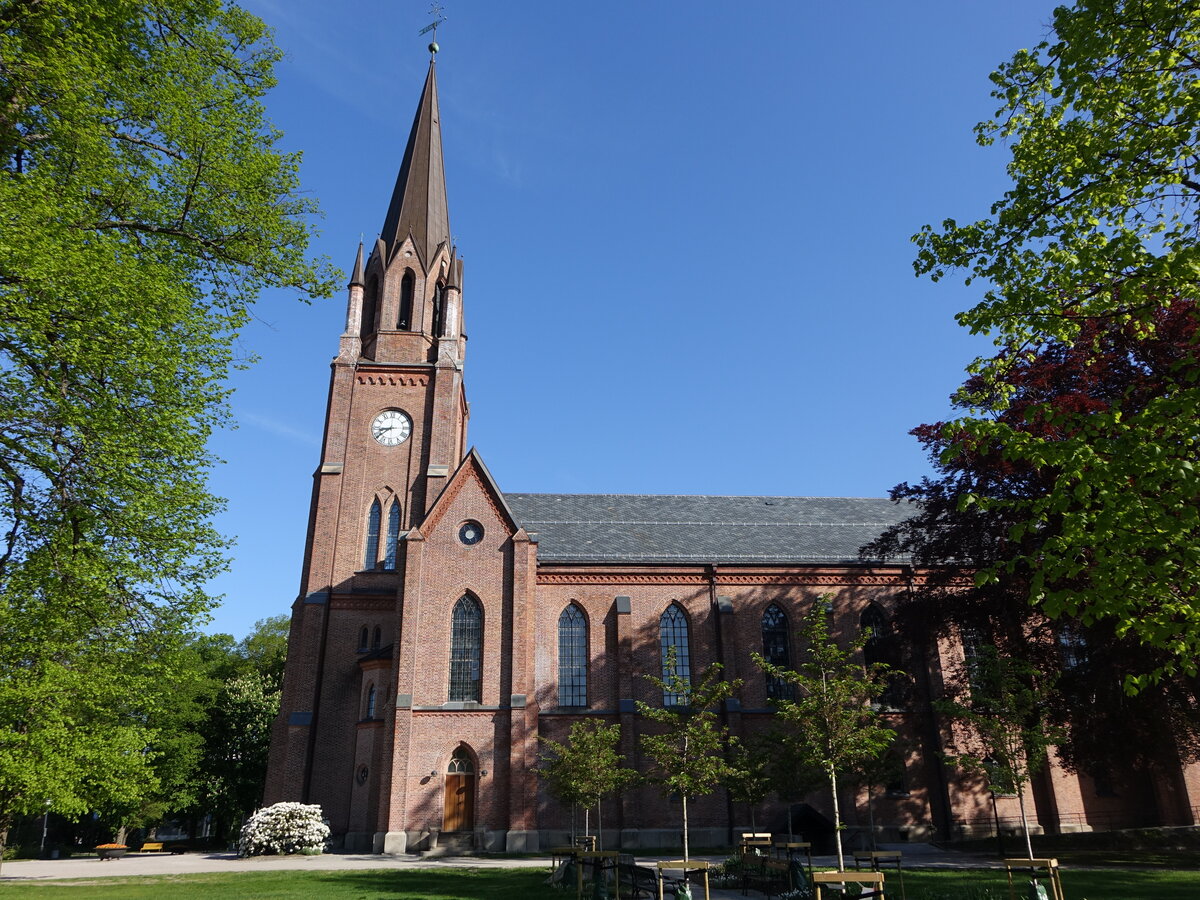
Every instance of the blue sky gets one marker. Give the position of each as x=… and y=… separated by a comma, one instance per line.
x=686, y=230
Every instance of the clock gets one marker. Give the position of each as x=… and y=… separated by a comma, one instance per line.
x=470, y=533
x=391, y=427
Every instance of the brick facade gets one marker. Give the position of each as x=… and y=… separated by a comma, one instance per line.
x=367, y=728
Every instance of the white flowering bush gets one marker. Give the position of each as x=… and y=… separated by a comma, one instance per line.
x=285, y=828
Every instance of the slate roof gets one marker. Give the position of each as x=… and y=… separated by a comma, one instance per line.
x=648, y=528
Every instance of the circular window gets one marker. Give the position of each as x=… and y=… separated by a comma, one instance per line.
x=361, y=776
x=470, y=533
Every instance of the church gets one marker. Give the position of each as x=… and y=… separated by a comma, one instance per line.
x=442, y=625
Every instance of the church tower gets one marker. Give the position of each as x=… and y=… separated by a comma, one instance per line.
x=395, y=430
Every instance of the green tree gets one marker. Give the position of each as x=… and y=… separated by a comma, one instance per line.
x=688, y=753
x=831, y=722
x=749, y=778
x=586, y=769
x=1102, y=122
x=144, y=205
x=1002, y=702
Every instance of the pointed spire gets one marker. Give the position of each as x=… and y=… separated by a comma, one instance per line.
x=356, y=277
x=418, y=204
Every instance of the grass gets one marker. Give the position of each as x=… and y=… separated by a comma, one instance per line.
x=529, y=884
x=408, y=884
x=1108, y=884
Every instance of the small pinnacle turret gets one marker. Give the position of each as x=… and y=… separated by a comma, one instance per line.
x=356, y=277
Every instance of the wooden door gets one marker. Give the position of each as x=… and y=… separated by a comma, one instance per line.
x=460, y=802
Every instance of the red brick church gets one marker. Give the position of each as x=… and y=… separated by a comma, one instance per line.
x=442, y=625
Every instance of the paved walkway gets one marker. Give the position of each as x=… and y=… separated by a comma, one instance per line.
x=135, y=864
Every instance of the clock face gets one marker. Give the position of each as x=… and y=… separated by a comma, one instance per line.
x=391, y=427
x=470, y=533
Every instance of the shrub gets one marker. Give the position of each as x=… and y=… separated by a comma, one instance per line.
x=285, y=828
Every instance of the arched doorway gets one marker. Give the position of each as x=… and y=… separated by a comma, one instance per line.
x=460, y=793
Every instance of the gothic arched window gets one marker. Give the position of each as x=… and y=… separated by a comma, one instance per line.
x=393, y=535
x=466, y=650
x=404, y=323
x=776, y=650
x=371, y=702
x=673, y=639
x=371, y=556
x=875, y=629
x=572, y=657
x=377, y=639
x=363, y=637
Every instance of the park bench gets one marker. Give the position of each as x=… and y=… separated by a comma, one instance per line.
x=765, y=873
x=871, y=881
x=636, y=881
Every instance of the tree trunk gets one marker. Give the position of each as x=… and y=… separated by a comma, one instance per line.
x=599, y=825
x=837, y=820
x=871, y=815
x=587, y=821
x=574, y=822
x=753, y=827
x=1024, y=820
x=3, y=841
x=685, y=829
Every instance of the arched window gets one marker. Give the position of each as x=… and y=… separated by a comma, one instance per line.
x=466, y=650
x=572, y=657
x=377, y=639
x=673, y=638
x=363, y=637
x=404, y=323
x=437, y=309
x=875, y=629
x=460, y=763
x=881, y=648
x=371, y=702
x=371, y=557
x=776, y=650
x=1072, y=646
x=370, y=301
x=393, y=535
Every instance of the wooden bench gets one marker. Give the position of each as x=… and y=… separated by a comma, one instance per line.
x=637, y=881
x=873, y=880
x=686, y=867
x=1044, y=869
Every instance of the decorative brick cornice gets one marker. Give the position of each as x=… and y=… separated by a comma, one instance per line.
x=390, y=379
x=359, y=603
x=620, y=578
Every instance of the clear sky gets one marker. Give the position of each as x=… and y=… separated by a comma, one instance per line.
x=686, y=231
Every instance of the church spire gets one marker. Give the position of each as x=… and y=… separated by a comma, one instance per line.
x=418, y=204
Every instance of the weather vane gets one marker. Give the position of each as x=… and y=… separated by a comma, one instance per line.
x=436, y=11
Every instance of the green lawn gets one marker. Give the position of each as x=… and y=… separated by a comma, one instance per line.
x=1107, y=884
x=407, y=884
x=528, y=884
